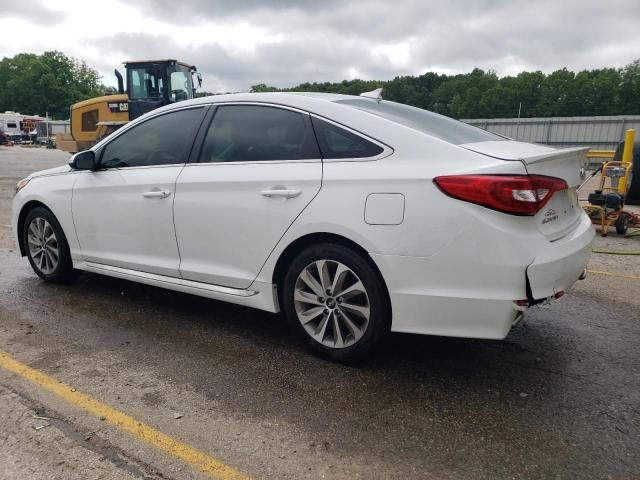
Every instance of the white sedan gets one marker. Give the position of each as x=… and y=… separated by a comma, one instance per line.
x=354, y=216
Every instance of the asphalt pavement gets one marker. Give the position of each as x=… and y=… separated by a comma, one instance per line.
x=559, y=398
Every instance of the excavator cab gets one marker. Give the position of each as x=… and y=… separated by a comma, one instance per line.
x=149, y=84
x=154, y=83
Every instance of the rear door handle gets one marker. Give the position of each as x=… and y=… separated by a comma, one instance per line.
x=156, y=194
x=280, y=192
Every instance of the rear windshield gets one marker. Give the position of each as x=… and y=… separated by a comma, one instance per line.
x=439, y=126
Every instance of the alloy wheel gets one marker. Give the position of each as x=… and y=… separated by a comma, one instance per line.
x=332, y=303
x=43, y=245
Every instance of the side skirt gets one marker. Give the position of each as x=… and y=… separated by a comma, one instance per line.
x=261, y=296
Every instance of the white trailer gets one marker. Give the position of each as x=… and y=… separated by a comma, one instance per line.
x=11, y=123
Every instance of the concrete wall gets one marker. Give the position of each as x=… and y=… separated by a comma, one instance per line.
x=602, y=133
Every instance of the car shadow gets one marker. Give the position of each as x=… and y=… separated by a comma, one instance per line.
x=191, y=319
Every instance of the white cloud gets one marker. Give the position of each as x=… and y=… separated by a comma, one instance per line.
x=286, y=42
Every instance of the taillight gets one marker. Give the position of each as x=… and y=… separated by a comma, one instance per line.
x=513, y=194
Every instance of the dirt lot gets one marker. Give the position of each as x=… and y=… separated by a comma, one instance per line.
x=559, y=398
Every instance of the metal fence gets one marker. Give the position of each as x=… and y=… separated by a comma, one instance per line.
x=602, y=133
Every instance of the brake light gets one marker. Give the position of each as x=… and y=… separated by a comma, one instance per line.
x=513, y=194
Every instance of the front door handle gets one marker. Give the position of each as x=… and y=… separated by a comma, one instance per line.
x=280, y=192
x=156, y=194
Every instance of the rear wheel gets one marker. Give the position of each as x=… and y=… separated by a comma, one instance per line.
x=336, y=302
x=622, y=223
x=46, y=246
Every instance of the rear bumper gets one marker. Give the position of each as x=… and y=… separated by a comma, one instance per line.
x=469, y=288
x=558, y=267
x=435, y=296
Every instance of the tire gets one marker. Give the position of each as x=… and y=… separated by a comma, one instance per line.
x=322, y=311
x=622, y=223
x=39, y=224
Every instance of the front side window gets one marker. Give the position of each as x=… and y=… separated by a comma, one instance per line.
x=180, y=84
x=336, y=142
x=162, y=140
x=90, y=121
x=12, y=125
x=248, y=133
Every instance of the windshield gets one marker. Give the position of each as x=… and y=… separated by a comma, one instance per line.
x=433, y=124
x=146, y=82
x=180, y=83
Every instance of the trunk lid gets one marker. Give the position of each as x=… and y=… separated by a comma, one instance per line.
x=562, y=212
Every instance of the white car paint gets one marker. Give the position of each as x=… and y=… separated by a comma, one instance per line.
x=111, y=207
x=384, y=209
x=227, y=222
x=451, y=267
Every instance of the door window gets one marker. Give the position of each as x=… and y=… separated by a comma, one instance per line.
x=162, y=140
x=180, y=84
x=336, y=142
x=248, y=133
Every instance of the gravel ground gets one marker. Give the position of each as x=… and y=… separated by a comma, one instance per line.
x=559, y=398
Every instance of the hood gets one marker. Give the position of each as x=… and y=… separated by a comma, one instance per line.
x=51, y=171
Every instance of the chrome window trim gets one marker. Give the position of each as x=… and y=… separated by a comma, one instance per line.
x=137, y=167
x=253, y=162
x=260, y=104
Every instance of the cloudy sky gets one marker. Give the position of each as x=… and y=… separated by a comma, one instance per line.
x=239, y=43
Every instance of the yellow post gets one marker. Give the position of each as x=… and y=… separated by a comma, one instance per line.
x=629, y=138
x=627, y=158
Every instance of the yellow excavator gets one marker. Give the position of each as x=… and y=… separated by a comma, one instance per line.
x=149, y=84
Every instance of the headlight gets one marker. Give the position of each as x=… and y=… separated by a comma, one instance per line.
x=21, y=184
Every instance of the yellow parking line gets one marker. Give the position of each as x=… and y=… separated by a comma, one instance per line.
x=610, y=274
x=189, y=455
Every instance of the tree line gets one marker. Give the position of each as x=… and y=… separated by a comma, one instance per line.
x=482, y=94
x=52, y=82
x=36, y=84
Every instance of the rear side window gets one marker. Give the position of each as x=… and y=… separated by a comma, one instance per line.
x=336, y=142
x=433, y=124
x=162, y=140
x=249, y=133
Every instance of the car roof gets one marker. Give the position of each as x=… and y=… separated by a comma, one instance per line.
x=323, y=104
x=378, y=119
x=281, y=98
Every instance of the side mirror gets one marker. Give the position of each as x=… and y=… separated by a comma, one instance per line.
x=84, y=160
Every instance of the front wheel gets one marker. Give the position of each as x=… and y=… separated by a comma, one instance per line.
x=336, y=301
x=46, y=246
